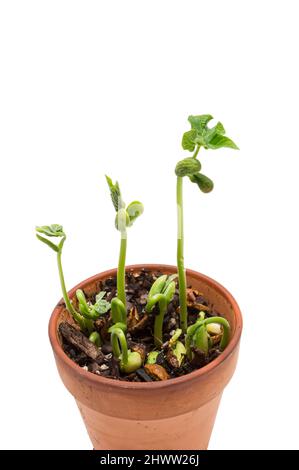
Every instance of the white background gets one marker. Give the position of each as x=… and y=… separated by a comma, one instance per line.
x=89, y=88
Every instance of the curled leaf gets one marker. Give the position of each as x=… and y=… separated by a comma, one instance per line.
x=95, y=338
x=188, y=140
x=101, y=305
x=187, y=167
x=204, y=183
x=134, y=209
x=54, y=230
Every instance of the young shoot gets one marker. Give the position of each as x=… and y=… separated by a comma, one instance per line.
x=129, y=361
x=125, y=217
x=177, y=347
x=161, y=293
x=91, y=312
x=200, y=135
x=95, y=338
x=56, y=231
x=200, y=334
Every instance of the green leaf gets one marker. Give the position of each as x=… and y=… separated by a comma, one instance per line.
x=179, y=351
x=200, y=122
x=115, y=194
x=101, y=306
x=134, y=210
x=54, y=230
x=188, y=140
x=204, y=183
x=218, y=141
x=100, y=295
x=47, y=242
x=209, y=138
x=152, y=357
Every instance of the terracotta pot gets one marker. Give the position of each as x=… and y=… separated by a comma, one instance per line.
x=175, y=414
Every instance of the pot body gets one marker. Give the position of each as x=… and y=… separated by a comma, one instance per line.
x=174, y=414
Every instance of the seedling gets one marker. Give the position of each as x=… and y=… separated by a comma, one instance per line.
x=186, y=347
x=199, y=136
x=125, y=217
x=161, y=293
x=56, y=231
x=92, y=311
x=95, y=338
x=129, y=361
x=177, y=347
x=199, y=335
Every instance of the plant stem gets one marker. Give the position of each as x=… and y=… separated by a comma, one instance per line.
x=121, y=274
x=158, y=327
x=196, y=152
x=119, y=345
x=180, y=256
x=118, y=311
x=66, y=299
x=226, y=329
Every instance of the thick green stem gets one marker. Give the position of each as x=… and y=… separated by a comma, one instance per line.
x=180, y=256
x=118, y=311
x=196, y=152
x=158, y=327
x=121, y=273
x=119, y=345
x=66, y=299
x=226, y=329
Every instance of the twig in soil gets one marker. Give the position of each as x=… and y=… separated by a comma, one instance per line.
x=79, y=340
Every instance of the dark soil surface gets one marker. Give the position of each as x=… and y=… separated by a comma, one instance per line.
x=139, y=335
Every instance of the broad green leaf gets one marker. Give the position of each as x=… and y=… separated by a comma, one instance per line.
x=209, y=138
x=219, y=141
x=200, y=122
x=188, y=140
x=209, y=133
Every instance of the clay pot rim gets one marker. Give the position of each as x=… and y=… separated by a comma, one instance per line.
x=118, y=384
